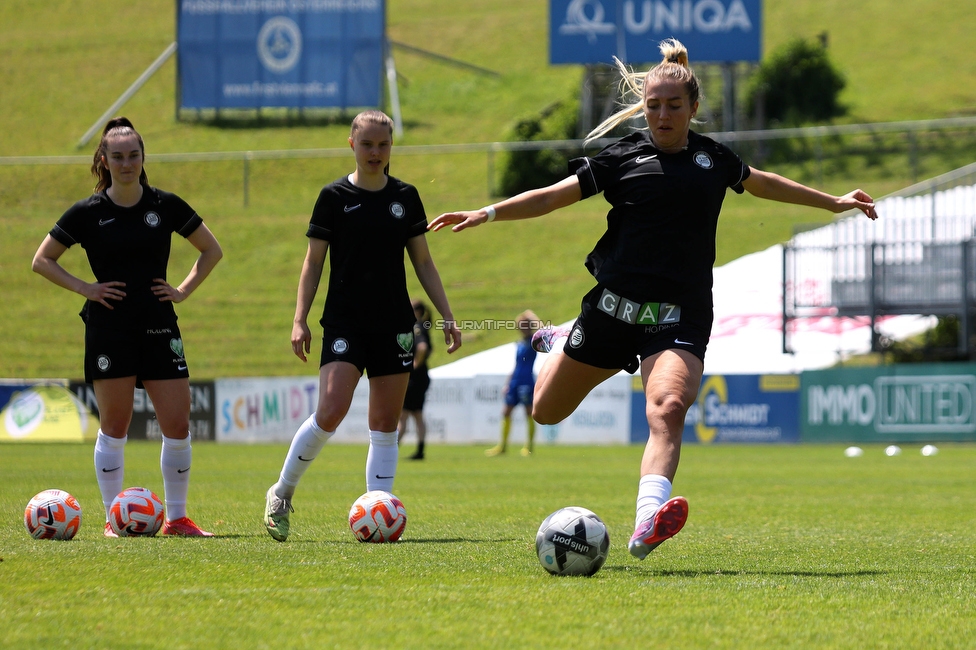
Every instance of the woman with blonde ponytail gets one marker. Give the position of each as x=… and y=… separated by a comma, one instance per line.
x=651, y=308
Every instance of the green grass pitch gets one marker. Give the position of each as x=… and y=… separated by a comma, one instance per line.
x=786, y=546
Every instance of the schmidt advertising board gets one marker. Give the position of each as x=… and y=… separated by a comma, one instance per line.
x=902, y=403
x=594, y=31
x=735, y=409
x=281, y=53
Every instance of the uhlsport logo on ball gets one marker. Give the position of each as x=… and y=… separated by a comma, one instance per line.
x=377, y=517
x=136, y=512
x=572, y=541
x=52, y=514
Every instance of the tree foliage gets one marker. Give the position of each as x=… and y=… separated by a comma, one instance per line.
x=526, y=170
x=798, y=84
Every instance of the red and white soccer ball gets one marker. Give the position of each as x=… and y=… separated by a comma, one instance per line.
x=136, y=512
x=377, y=517
x=52, y=514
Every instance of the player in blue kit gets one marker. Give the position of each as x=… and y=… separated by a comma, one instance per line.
x=652, y=306
x=364, y=221
x=520, y=385
x=131, y=336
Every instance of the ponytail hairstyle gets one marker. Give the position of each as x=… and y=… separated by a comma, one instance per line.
x=673, y=67
x=117, y=127
x=372, y=116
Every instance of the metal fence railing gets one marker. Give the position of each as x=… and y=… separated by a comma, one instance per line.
x=815, y=134
x=918, y=259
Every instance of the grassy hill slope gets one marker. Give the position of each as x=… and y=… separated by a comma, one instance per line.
x=63, y=63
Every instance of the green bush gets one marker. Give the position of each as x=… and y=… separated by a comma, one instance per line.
x=796, y=85
x=526, y=170
x=939, y=344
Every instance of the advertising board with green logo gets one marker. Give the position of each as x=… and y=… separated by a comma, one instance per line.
x=899, y=403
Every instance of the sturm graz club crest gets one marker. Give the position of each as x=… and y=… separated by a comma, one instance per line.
x=703, y=160
x=576, y=337
x=176, y=345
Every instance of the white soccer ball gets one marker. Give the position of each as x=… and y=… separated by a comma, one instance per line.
x=853, y=452
x=572, y=541
x=377, y=517
x=930, y=450
x=52, y=514
x=892, y=450
x=136, y=512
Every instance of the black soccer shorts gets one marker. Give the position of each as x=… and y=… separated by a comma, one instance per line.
x=145, y=353
x=375, y=353
x=604, y=341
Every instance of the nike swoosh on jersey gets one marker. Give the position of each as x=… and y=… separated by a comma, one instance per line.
x=350, y=208
x=680, y=342
x=105, y=469
x=407, y=363
x=183, y=471
x=181, y=367
x=378, y=476
x=105, y=222
x=643, y=159
x=306, y=460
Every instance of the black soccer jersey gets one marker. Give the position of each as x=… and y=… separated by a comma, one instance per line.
x=128, y=245
x=367, y=234
x=660, y=238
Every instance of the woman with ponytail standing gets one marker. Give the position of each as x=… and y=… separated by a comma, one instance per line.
x=131, y=336
x=364, y=221
x=651, y=308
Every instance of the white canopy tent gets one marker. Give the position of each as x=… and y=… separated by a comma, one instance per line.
x=747, y=334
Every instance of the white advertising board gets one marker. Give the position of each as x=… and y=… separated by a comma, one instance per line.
x=459, y=410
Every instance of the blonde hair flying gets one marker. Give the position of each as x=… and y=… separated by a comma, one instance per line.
x=673, y=67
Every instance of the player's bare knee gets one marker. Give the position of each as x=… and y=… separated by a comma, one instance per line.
x=328, y=420
x=177, y=429
x=543, y=414
x=668, y=408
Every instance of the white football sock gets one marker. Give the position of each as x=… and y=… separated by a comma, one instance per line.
x=109, y=467
x=652, y=492
x=305, y=446
x=381, y=460
x=174, y=461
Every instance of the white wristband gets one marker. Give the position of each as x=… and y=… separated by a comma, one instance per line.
x=491, y=212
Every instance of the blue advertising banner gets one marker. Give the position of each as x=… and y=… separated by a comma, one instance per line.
x=736, y=408
x=280, y=53
x=594, y=31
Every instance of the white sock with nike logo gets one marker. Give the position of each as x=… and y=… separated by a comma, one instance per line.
x=381, y=460
x=652, y=492
x=109, y=467
x=174, y=461
x=305, y=446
